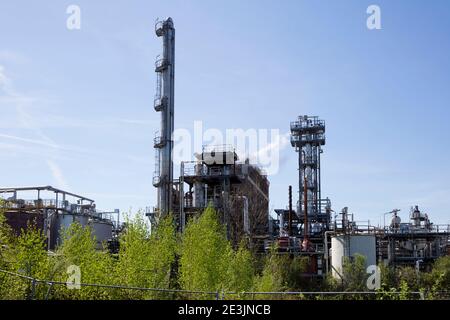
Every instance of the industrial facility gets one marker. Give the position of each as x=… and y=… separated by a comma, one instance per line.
x=239, y=191
x=53, y=210
x=328, y=240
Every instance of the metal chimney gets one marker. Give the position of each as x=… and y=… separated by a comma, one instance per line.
x=164, y=103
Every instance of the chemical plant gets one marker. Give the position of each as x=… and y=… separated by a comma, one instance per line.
x=239, y=191
x=53, y=210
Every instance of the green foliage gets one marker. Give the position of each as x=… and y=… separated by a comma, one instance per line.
x=404, y=290
x=354, y=273
x=295, y=267
x=205, y=254
x=388, y=276
x=282, y=273
x=272, y=277
x=203, y=260
x=26, y=255
x=146, y=260
x=387, y=290
x=79, y=249
x=241, y=270
x=6, y=242
x=30, y=253
x=409, y=276
x=438, y=280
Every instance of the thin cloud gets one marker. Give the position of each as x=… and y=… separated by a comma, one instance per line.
x=278, y=145
x=57, y=175
x=33, y=141
x=26, y=119
x=14, y=57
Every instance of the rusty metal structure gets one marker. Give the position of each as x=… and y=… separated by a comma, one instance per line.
x=239, y=191
x=52, y=210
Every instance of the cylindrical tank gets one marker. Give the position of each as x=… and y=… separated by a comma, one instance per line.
x=395, y=223
x=101, y=230
x=63, y=221
x=348, y=246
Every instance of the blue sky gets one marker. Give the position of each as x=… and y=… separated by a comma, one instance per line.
x=76, y=106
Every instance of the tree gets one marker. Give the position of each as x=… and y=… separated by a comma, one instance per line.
x=438, y=280
x=6, y=240
x=205, y=254
x=354, y=273
x=146, y=260
x=272, y=278
x=241, y=270
x=26, y=255
x=79, y=249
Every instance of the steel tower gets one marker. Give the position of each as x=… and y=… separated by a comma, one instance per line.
x=307, y=137
x=164, y=103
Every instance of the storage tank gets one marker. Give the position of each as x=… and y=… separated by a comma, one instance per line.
x=63, y=221
x=101, y=230
x=347, y=246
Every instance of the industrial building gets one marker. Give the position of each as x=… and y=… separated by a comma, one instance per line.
x=311, y=229
x=53, y=210
x=418, y=242
x=239, y=191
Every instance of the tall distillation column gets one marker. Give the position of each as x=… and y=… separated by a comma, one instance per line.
x=307, y=137
x=164, y=103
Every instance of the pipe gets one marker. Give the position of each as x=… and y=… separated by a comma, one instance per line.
x=327, y=255
x=246, y=217
x=290, y=211
x=305, y=195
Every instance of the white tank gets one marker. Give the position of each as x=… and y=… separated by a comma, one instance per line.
x=395, y=222
x=349, y=245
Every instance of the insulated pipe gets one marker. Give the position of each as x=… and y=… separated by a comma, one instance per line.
x=167, y=73
x=246, y=217
x=326, y=255
x=290, y=211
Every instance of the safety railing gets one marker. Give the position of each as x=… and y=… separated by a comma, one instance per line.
x=308, y=123
x=159, y=103
x=218, y=148
x=307, y=138
x=161, y=64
